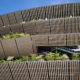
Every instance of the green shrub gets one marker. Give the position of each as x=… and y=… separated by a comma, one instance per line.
x=10, y=58
x=64, y=57
x=14, y=35
x=75, y=56
x=33, y=57
x=18, y=60
x=1, y=58
x=25, y=58
x=50, y=56
x=27, y=35
x=2, y=61
x=40, y=58
x=57, y=56
x=36, y=20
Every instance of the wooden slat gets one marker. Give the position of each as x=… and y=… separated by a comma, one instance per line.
x=12, y=18
x=30, y=28
x=40, y=40
x=1, y=22
x=68, y=26
x=2, y=54
x=41, y=70
x=5, y=73
x=19, y=71
x=25, y=14
x=57, y=70
x=38, y=70
x=10, y=47
x=18, y=16
x=74, y=67
x=43, y=27
x=24, y=46
x=5, y=30
x=17, y=28
x=57, y=26
x=73, y=39
x=57, y=40
x=5, y=19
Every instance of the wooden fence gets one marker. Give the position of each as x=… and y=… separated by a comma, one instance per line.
x=36, y=70
x=50, y=12
x=64, y=31
x=51, y=26
x=25, y=46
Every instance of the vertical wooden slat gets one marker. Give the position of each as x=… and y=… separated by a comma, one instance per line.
x=18, y=16
x=57, y=26
x=5, y=30
x=12, y=18
x=74, y=75
x=30, y=28
x=41, y=70
x=57, y=40
x=5, y=73
x=43, y=27
x=40, y=40
x=25, y=14
x=17, y=28
x=70, y=39
x=24, y=46
x=73, y=23
x=52, y=11
x=38, y=70
x=1, y=22
x=5, y=19
x=10, y=47
x=2, y=54
x=57, y=70
x=19, y=71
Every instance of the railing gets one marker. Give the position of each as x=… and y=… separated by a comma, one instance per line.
x=46, y=70
x=67, y=50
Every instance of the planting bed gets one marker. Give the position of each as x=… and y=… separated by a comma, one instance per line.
x=24, y=46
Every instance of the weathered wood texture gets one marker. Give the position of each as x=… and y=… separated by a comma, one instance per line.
x=29, y=28
x=46, y=70
x=50, y=12
x=51, y=26
x=10, y=48
x=19, y=71
x=25, y=46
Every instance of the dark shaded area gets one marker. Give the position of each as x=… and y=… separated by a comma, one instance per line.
x=62, y=49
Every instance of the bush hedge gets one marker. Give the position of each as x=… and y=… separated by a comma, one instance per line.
x=14, y=35
x=49, y=56
x=35, y=57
